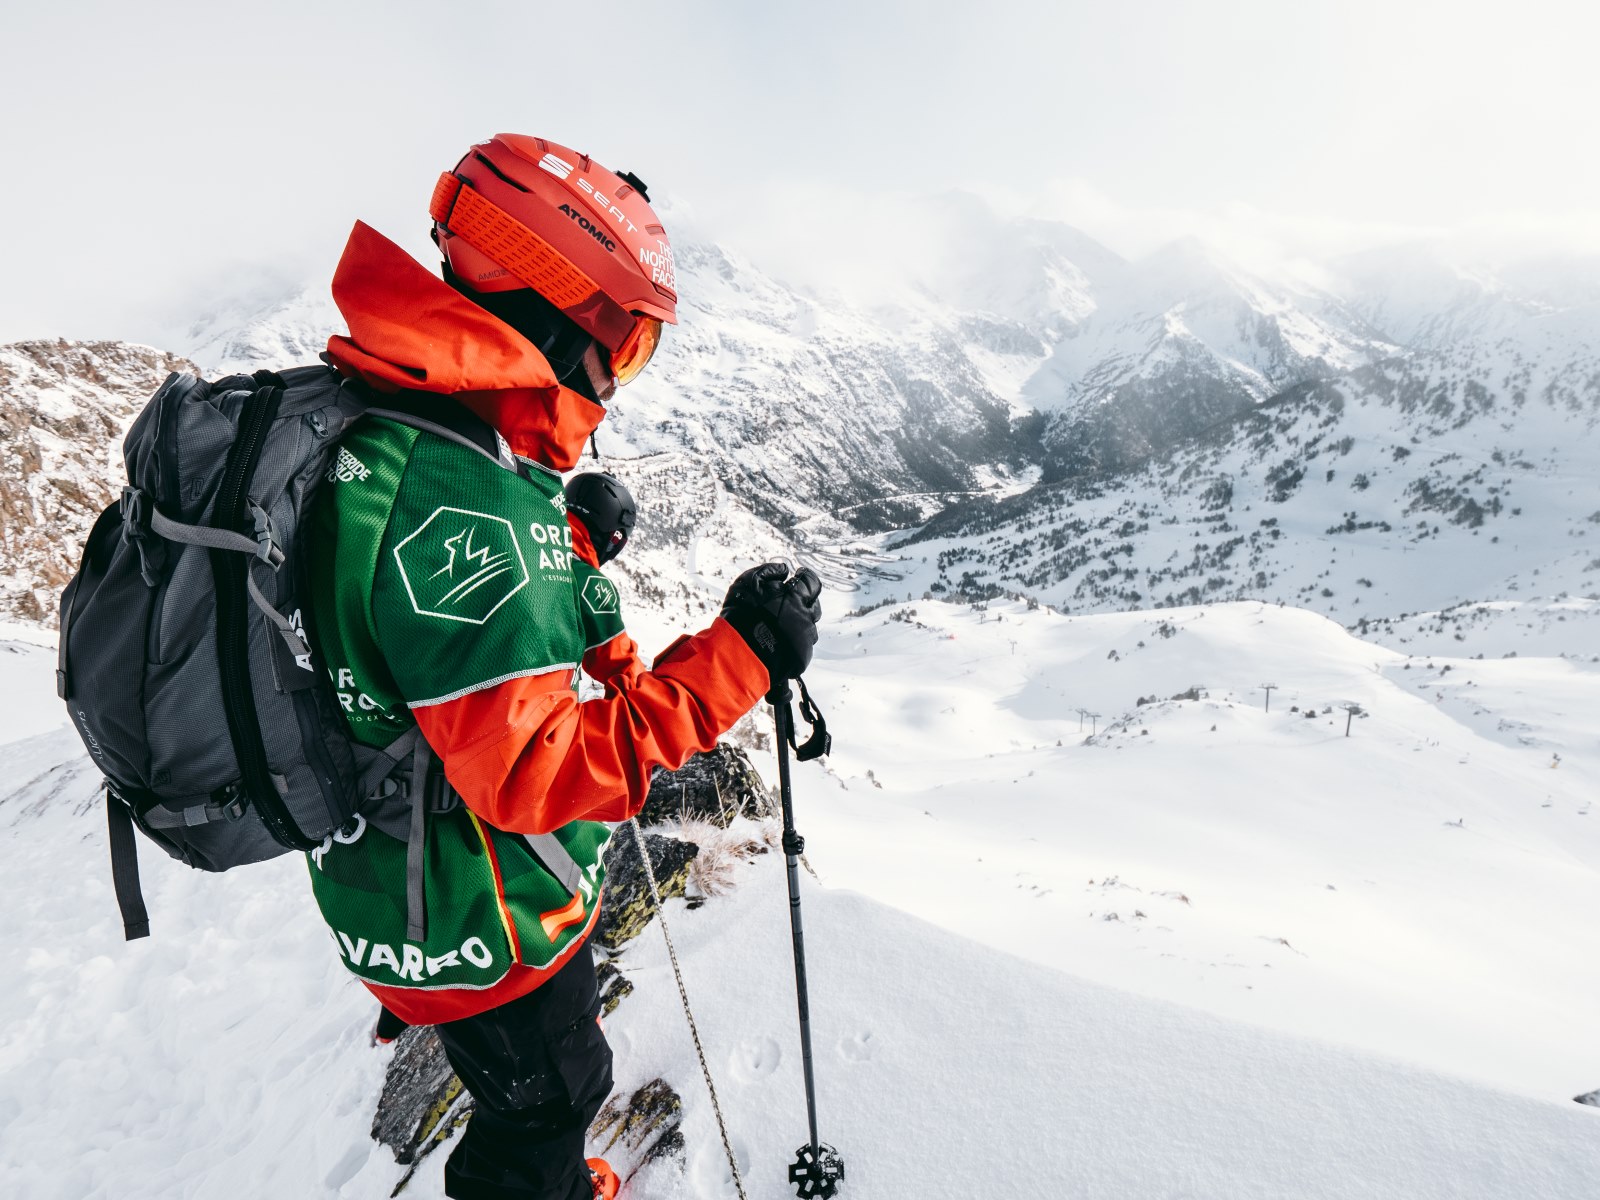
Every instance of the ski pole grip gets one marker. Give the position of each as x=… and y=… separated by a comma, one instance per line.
x=780, y=693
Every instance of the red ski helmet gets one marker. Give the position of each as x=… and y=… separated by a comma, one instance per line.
x=523, y=212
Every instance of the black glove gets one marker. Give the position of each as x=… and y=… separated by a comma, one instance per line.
x=777, y=616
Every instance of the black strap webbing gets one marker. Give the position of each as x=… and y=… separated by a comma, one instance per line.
x=821, y=741
x=125, y=870
x=417, y=846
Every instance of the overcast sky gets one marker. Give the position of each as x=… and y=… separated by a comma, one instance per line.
x=152, y=152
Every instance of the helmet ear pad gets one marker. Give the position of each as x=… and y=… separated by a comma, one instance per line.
x=562, y=341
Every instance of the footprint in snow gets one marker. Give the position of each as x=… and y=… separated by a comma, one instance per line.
x=858, y=1047
x=708, y=1166
x=755, y=1058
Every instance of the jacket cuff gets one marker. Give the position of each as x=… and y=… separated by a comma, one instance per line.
x=719, y=669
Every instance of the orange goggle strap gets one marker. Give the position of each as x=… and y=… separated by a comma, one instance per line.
x=500, y=237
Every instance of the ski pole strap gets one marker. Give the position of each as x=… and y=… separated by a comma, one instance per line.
x=821, y=741
x=125, y=868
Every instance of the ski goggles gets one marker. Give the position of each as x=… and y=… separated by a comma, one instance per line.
x=628, y=359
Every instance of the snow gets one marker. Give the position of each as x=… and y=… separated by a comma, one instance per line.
x=1184, y=309
x=1258, y=864
x=947, y=1069
x=980, y=1025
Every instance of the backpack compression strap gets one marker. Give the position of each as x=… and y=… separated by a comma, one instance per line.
x=260, y=547
x=125, y=868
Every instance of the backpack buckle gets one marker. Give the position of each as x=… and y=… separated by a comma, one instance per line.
x=439, y=796
x=226, y=805
x=135, y=521
x=266, y=549
x=136, y=533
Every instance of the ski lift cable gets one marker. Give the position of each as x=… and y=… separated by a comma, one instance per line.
x=683, y=994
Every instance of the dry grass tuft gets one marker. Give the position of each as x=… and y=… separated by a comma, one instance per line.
x=714, y=871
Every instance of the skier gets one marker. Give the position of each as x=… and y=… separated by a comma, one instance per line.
x=449, y=598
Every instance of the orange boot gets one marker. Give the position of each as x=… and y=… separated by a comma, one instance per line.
x=606, y=1182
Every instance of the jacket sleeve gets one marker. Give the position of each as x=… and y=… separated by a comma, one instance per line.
x=527, y=757
x=615, y=663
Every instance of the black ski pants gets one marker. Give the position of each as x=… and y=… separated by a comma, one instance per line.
x=539, y=1068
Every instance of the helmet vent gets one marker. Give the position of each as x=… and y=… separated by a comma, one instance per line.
x=499, y=174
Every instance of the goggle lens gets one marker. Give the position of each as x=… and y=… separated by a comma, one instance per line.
x=631, y=357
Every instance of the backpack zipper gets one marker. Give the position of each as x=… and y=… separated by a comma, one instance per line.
x=233, y=629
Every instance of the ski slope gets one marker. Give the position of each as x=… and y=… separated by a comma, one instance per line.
x=1315, y=984
x=1421, y=888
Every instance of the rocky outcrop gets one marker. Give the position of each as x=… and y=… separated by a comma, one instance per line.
x=648, y=1125
x=422, y=1102
x=423, y=1105
x=716, y=787
x=627, y=908
x=64, y=407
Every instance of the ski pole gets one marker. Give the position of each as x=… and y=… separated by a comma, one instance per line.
x=817, y=1169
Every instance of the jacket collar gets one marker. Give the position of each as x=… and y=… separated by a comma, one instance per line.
x=409, y=330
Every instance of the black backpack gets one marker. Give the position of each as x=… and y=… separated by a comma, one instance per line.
x=187, y=660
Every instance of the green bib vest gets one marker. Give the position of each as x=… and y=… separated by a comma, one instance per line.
x=435, y=574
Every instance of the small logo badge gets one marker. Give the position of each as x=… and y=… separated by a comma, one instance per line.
x=557, y=167
x=347, y=468
x=600, y=595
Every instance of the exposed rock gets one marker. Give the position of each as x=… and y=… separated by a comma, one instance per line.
x=627, y=908
x=615, y=987
x=1591, y=1098
x=64, y=407
x=649, y=1125
x=423, y=1105
x=716, y=787
x=423, y=1102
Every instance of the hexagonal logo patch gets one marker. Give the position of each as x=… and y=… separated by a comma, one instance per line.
x=600, y=594
x=461, y=565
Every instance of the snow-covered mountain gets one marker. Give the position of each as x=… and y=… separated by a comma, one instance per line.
x=1426, y=297
x=1179, y=341
x=1182, y=393
x=803, y=407
x=271, y=327
x=798, y=405
x=1410, y=485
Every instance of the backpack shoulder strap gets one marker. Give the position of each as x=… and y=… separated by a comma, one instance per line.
x=451, y=420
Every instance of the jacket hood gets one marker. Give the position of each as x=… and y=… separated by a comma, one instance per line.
x=409, y=330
